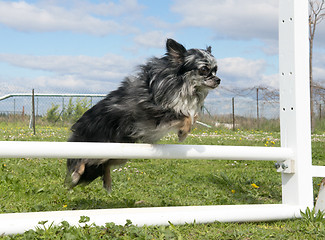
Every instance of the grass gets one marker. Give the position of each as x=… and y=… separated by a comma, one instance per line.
x=29, y=185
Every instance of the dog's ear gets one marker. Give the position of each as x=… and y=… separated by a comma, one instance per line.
x=209, y=49
x=175, y=50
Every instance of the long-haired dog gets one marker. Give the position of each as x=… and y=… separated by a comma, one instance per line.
x=167, y=94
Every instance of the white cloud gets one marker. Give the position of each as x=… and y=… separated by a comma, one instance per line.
x=270, y=80
x=64, y=81
x=241, y=68
x=71, y=84
x=80, y=74
x=28, y=17
x=237, y=19
x=155, y=39
x=85, y=71
x=123, y=7
x=107, y=68
x=55, y=84
x=240, y=73
x=11, y=86
x=158, y=23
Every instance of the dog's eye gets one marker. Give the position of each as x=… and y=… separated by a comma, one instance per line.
x=204, y=70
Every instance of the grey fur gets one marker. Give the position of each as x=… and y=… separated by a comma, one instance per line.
x=166, y=95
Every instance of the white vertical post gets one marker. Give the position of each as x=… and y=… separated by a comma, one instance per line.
x=294, y=100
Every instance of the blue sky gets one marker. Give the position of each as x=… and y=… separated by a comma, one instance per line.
x=85, y=46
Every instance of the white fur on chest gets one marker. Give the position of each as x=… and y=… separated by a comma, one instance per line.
x=188, y=104
x=149, y=132
x=188, y=107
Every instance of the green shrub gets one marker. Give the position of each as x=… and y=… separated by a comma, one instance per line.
x=52, y=114
x=71, y=113
x=68, y=112
x=81, y=106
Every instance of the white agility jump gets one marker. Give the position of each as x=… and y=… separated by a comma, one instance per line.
x=294, y=154
x=146, y=151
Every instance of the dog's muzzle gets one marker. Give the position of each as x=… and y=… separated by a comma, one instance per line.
x=212, y=82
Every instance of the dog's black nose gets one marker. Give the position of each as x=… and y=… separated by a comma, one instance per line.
x=218, y=80
x=212, y=82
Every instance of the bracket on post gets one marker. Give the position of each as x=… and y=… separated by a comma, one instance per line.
x=286, y=166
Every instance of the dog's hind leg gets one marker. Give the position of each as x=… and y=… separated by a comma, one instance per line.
x=107, y=179
x=75, y=176
x=76, y=167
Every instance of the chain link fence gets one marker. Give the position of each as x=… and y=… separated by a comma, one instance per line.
x=52, y=108
x=253, y=108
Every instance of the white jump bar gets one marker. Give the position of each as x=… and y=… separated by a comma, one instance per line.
x=318, y=171
x=13, y=223
x=20, y=149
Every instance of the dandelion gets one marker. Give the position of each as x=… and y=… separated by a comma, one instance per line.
x=64, y=206
x=233, y=191
x=254, y=185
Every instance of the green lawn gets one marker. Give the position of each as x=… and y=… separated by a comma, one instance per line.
x=29, y=185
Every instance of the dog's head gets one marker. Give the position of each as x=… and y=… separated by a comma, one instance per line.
x=197, y=65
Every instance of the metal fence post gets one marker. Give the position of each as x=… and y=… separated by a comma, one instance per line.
x=33, y=113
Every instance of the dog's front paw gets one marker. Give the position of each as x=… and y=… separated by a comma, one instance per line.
x=182, y=135
x=72, y=179
x=75, y=177
x=184, y=129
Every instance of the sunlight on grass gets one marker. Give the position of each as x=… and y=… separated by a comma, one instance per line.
x=29, y=185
